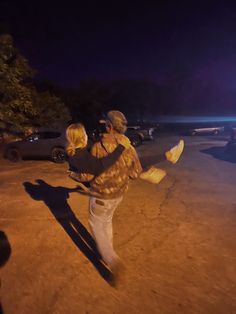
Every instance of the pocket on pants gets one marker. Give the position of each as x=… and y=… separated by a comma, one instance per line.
x=99, y=202
x=97, y=207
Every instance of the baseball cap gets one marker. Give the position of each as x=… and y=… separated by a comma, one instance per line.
x=117, y=119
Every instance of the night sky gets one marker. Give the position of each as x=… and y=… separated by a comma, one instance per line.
x=67, y=42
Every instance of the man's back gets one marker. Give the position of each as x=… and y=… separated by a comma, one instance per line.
x=114, y=182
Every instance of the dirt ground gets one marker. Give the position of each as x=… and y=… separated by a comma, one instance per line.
x=177, y=239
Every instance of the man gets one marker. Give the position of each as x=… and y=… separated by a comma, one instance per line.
x=107, y=189
x=110, y=187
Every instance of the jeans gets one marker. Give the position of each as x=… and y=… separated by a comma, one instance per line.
x=100, y=219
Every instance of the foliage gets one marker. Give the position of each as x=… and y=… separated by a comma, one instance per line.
x=20, y=103
x=86, y=103
x=51, y=111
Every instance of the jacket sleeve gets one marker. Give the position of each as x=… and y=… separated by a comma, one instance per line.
x=99, y=165
x=84, y=163
x=135, y=166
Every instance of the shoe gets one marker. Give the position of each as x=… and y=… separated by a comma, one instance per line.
x=153, y=175
x=175, y=152
x=117, y=270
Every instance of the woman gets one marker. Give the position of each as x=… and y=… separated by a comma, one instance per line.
x=81, y=161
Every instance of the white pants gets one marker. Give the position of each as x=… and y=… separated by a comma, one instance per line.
x=100, y=219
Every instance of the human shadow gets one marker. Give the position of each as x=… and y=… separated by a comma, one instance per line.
x=219, y=152
x=5, y=253
x=5, y=249
x=55, y=197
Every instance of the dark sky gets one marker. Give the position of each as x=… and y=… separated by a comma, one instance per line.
x=70, y=41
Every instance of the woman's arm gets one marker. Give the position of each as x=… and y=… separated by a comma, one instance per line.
x=84, y=162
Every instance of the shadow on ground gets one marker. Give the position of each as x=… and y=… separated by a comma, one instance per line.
x=56, y=200
x=218, y=152
x=5, y=253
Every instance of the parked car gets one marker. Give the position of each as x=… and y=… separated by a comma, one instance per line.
x=206, y=130
x=52, y=144
x=42, y=144
x=145, y=132
x=231, y=145
x=10, y=136
x=135, y=137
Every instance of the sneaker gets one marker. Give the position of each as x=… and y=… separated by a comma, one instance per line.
x=117, y=270
x=153, y=175
x=175, y=152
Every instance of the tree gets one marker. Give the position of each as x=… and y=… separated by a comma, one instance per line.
x=51, y=111
x=91, y=100
x=20, y=103
x=139, y=99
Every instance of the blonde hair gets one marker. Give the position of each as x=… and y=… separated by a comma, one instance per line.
x=76, y=137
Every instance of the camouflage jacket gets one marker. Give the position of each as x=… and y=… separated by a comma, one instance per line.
x=113, y=182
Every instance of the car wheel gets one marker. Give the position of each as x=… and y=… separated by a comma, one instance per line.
x=216, y=132
x=58, y=155
x=13, y=155
x=193, y=133
x=136, y=140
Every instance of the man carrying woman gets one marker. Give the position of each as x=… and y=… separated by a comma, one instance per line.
x=108, y=186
